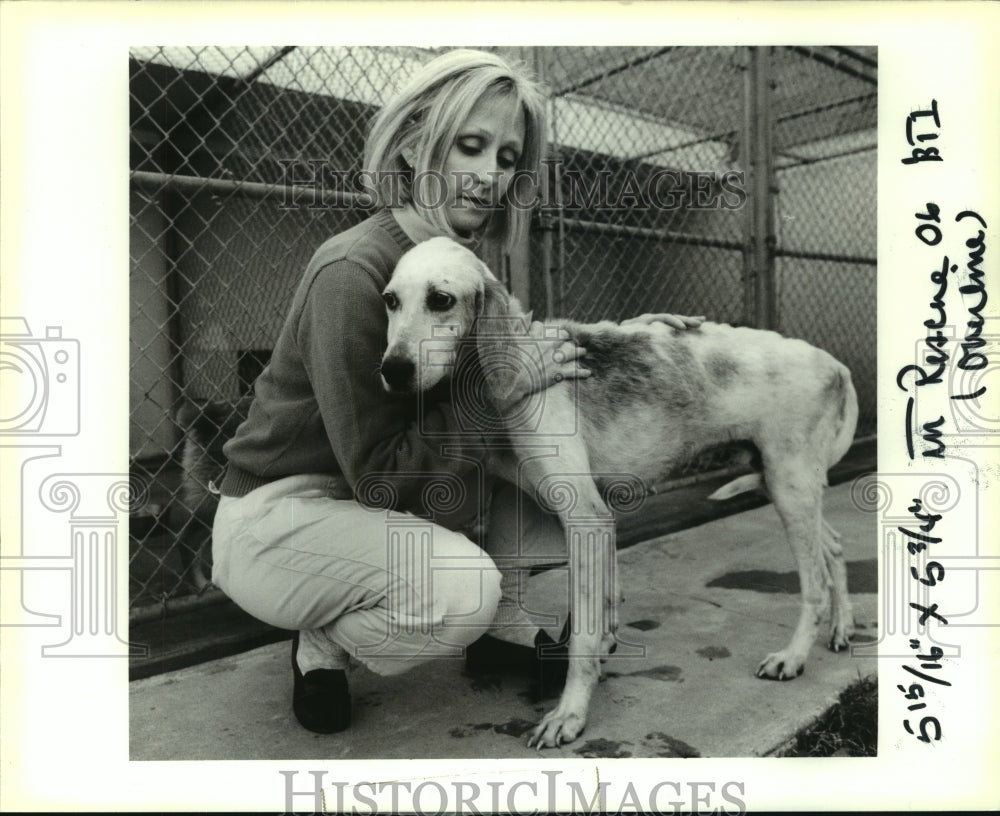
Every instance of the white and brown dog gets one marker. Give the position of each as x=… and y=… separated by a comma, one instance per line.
x=655, y=398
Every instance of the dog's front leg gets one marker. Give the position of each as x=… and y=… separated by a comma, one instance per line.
x=592, y=613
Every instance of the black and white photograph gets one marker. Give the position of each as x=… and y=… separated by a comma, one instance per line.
x=731, y=184
x=505, y=422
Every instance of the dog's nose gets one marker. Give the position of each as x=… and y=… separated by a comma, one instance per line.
x=398, y=372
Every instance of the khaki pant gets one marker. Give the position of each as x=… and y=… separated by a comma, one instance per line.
x=391, y=589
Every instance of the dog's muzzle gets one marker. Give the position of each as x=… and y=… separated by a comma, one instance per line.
x=399, y=373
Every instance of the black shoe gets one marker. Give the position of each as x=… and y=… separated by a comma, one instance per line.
x=545, y=663
x=320, y=698
x=490, y=655
x=552, y=665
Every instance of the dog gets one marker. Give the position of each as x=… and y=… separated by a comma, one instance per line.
x=656, y=396
x=206, y=426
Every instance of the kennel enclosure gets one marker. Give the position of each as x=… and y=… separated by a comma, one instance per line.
x=735, y=182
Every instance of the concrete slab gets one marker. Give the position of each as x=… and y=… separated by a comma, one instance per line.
x=706, y=604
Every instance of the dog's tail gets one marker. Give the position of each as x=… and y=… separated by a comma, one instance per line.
x=848, y=416
x=742, y=484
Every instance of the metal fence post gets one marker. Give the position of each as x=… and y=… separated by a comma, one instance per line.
x=549, y=222
x=519, y=258
x=759, y=236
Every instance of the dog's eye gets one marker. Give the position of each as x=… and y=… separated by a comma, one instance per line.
x=390, y=300
x=440, y=301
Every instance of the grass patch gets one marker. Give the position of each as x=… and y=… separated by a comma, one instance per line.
x=850, y=728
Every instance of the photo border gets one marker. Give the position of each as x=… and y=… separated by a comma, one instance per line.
x=64, y=256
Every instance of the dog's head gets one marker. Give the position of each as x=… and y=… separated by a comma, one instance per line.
x=440, y=294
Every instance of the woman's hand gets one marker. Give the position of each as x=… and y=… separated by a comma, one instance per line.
x=542, y=358
x=681, y=322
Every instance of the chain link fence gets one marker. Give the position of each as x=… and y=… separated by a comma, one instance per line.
x=733, y=182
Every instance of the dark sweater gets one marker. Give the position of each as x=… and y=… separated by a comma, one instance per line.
x=319, y=405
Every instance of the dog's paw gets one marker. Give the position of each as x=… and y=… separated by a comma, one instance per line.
x=556, y=728
x=781, y=666
x=840, y=635
x=841, y=631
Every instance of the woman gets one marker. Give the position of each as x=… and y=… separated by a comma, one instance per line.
x=458, y=147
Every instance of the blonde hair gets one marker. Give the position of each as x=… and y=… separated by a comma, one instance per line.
x=424, y=119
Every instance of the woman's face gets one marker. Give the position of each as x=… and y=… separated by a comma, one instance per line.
x=483, y=160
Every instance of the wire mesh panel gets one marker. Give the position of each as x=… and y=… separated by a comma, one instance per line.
x=643, y=221
x=826, y=206
x=241, y=162
x=237, y=158
x=656, y=149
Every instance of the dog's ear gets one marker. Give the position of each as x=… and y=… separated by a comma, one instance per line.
x=499, y=321
x=493, y=302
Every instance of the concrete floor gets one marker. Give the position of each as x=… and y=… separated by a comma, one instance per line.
x=707, y=604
